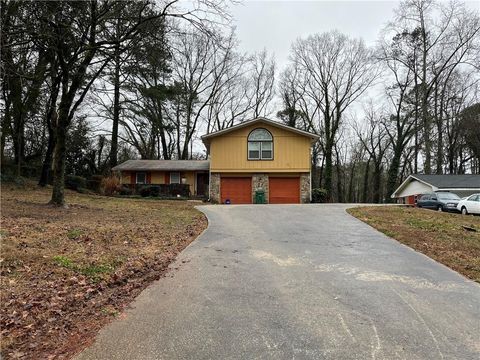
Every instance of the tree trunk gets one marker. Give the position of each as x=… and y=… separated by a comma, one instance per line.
x=58, y=193
x=350, y=185
x=365, y=182
x=340, y=197
x=392, y=176
x=116, y=107
x=377, y=181
x=328, y=172
x=45, y=175
x=439, y=169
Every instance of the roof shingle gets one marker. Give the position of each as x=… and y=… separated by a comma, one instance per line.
x=450, y=181
x=163, y=165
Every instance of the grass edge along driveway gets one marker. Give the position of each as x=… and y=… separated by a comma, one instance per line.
x=440, y=236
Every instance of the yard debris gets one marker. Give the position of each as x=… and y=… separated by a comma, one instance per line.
x=66, y=272
x=469, y=228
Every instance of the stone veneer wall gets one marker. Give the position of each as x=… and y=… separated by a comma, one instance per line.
x=260, y=182
x=305, y=188
x=215, y=187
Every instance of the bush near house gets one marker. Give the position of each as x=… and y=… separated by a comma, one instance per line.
x=319, y=195
x=162, y=190
x=94, y=183
x=74, y=182
x=110, y=185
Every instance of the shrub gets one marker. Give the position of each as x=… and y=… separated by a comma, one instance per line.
x=11, y=178
x=110, y=185
x=319, y=195
x=145, y=191
x=125, y=190
x=74, y=182
x=155, y=191
x=95, y=183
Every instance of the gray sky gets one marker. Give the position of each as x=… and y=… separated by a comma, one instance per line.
x=275, y=25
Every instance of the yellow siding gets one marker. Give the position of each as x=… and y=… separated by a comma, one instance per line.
x=158, y=177
x=291, y=152
x=190, y=176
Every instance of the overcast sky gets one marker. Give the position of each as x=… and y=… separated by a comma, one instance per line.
x=275, y=25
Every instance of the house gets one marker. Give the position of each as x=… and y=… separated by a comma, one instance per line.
x=258, y=155
x=417, y=184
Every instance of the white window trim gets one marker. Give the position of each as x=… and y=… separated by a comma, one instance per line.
x=145, y=177
x=260, y=151
x=260, y=143
x=179, y=179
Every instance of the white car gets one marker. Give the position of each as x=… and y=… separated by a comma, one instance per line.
x=470, y=205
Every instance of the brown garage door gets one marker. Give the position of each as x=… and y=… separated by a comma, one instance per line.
x=237, y=189
x=284, y=190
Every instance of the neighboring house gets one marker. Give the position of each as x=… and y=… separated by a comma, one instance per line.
x=418, y=184
x=256, y=155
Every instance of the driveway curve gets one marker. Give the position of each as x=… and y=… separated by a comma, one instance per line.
x=297, y=282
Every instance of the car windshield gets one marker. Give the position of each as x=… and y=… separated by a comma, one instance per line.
x=447, y=196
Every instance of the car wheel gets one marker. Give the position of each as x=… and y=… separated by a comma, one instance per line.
x=464, y=210
x=440, y=208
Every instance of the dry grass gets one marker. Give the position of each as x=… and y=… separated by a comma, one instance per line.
x=437, y=235
x=65, y=272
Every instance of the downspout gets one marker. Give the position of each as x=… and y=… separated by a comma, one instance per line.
x=209, y=182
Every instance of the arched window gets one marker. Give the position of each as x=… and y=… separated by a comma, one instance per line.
x=260, y=145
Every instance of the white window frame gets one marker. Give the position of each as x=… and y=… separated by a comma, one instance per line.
x=171, y=177
x=145, y=177
x=260, y=144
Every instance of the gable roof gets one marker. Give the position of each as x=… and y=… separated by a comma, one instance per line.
x=163, y=165
x=207, y=137
x=442, y=182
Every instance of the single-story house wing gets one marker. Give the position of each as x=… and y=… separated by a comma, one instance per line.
x=418, y=184
x=159, y=172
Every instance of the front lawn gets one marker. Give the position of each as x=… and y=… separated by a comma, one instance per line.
x=437, y=235
x=66, y=272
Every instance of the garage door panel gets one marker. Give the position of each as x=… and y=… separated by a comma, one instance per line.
x=284, y=190
x=237, y=189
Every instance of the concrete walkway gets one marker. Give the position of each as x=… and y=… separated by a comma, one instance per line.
x=297, y=282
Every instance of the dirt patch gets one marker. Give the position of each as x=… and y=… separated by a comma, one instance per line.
x=441, y=236
x=66, y=272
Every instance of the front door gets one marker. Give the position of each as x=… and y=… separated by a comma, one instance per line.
x=202, y=184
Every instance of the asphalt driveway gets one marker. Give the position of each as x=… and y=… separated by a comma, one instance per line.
x=297, y=282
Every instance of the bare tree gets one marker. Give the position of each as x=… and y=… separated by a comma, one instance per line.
x=444, y=37
x=335, y=71
x=201, y=66
x=262, y=83
x=374, y=138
